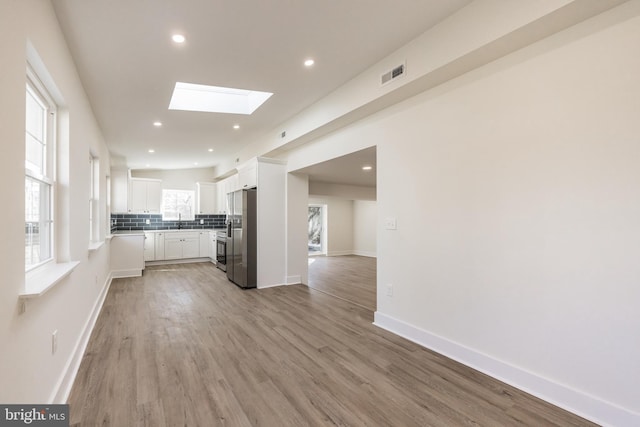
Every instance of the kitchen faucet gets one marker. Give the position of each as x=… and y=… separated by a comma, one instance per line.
x=179, y=221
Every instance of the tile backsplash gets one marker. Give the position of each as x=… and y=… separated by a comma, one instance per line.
x=129, y=222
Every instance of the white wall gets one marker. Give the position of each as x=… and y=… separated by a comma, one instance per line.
x=351, y=192
x=517, y=252
x=339, y=224
x=473, y=36
x=271, y=223
x=28, y=370
x=365, y=228
x=297, y=219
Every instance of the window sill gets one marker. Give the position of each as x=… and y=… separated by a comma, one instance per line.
x=94, y=246
x=37, y=283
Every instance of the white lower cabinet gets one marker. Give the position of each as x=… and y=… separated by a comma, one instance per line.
x=159, y=243
x=191, y=246
x=149, y=246
x=179, y=245
x=168, y=245
x=203, y=238
x=172, y=247
x=212, y=246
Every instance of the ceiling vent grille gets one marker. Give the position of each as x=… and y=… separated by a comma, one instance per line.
x=393, y=74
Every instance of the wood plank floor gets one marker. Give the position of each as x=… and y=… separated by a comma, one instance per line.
x=182, y=346
x=350, y=277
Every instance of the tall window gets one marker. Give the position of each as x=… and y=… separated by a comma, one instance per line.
x=94, y=217
x=177, y=205
x=317, y=230
x=39, y=173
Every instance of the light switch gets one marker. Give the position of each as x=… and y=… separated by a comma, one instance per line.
x=390, y=224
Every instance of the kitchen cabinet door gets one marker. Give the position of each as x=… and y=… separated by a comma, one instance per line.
x=221, y=195
x=204, y=244
x=191, y=246
x=138, y=196
x=172, y=248
x=154, y=196
x=145, y=195
x=206, y=198
x=248, y=177
x=159, y=243
x=149, y=247
x=212, y=246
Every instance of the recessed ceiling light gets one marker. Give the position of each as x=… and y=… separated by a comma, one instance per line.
x=236, y=126
x=151, y=150
x=148, y=165
x=210, y=150
x=309, y=62
x=178, y=38
x=157, y=124
x=214, y=99
x=367, y=168
x=195, y=163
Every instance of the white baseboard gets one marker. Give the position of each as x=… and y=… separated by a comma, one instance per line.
x=365, y=253
x=582, y=404
x=273, y=285
x=353, y=252
x=62, y=390
x=339, y=253
x=294, y=280
x=180, y=261
x=126, y=273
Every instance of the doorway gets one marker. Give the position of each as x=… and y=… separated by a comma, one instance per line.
x=317, y=230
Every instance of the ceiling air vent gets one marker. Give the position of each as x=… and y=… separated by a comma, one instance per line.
x=391, y=75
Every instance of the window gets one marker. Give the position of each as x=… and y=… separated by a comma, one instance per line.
x=177, y=205
x=94, y=217
x=108, y=206
x=39, y=173
x=317, y=229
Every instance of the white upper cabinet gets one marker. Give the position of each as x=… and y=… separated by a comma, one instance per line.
x=207, y=202
x=145, y=195
x=221, y=197
x=232, y=183
x=248, y=175
x=224, y=187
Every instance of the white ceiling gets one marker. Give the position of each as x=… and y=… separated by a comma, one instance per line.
x=129, y=65
x=346, y=169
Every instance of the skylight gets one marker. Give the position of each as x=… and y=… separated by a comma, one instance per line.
x=213, y=99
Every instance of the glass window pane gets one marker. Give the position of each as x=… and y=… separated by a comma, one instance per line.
x=35, y=154
x=35, y=117
x=177, y=204
x=38, y=225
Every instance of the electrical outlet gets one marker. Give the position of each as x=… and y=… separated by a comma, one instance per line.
x=54, y=342
x=201, y=221
x=390, y=224
x=148, y=221
x=389, y=290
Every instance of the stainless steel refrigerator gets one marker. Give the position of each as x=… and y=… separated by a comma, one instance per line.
x=241, y=238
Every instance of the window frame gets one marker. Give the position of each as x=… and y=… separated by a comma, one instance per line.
x=94, y=198
x=46, y=175
x=163, y=207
